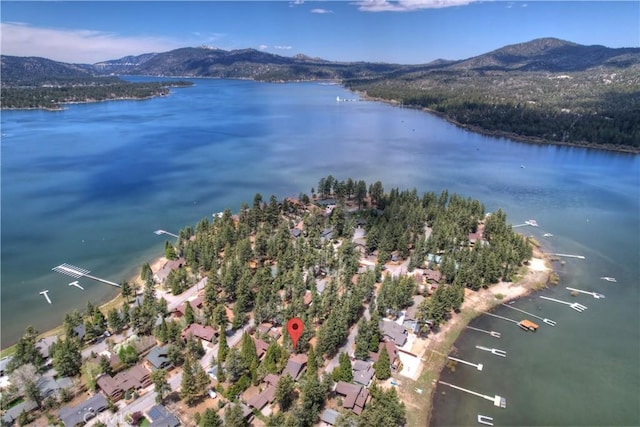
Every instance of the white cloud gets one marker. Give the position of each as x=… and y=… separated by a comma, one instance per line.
x=76, y=46
x=406, y=5
x=263, y=47
x=321, y=11
x=283, y=47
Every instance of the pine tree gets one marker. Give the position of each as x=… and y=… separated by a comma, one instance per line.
x=383, y=365
x=189, y=316
x=223, y=347
x=188, y=386
x=210, y=419
x=233, y=417
x=284, y=392
x=343, y=372
x=161, y=385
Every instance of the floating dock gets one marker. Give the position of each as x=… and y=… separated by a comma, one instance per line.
x=497, y=400
x=492, y=333
x=547, y=321
x=77, y=272
x=577, y=307
x=593, y=294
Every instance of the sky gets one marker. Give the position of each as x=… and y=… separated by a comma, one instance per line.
x=402, y=31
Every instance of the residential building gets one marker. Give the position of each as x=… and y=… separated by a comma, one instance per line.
x=82, y=412
x=133, y=379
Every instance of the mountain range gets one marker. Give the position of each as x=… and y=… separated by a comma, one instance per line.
x=540, y=55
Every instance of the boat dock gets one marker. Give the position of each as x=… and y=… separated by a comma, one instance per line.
x=500, y=317
x=77, y=272
x=494, y=351
x=492, y=333
x=483, y=419
x=547, y=321
x=577, y=307
x=46, y=295
x=593, y=294
x=159, y=232
x=77, y=285
x=569, y=256
x=478, y=366
x=497, y=400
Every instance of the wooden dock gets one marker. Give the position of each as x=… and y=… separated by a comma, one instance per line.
x=547, y=321
x=497, y=400
x=77, y=272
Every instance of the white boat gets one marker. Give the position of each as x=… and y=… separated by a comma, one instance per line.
x=547, y=235
x=609, y=279
x=531, y=222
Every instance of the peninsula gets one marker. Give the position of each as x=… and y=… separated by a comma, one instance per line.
x=384, y=281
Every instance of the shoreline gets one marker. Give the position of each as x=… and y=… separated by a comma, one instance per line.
x=505, y=134
x=155, y=264
x=531, y=278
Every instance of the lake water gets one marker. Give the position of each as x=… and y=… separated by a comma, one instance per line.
x=90, y=184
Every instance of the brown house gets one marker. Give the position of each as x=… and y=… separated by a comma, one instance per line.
x=355, y=396
x=199, y=331
x=133, y=379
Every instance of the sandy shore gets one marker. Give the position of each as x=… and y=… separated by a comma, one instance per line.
x=419, y=404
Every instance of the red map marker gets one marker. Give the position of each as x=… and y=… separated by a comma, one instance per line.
x=295, y=328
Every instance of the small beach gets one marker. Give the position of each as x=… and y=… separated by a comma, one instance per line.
x=533, y=277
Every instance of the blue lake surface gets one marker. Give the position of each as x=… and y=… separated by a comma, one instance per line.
x=90, y=184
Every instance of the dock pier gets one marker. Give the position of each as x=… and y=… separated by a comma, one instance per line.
x=478, y=366
x=46, y=295
x=494, y=351
x=503, y=318
x=569, y=256
x=545, y=320
x=159, y=232
x=77, y=272
x=497, y=400
x=577, y=307
x=492, y=333
x=593, y=294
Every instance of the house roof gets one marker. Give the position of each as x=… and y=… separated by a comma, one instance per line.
x=199, y=331
x=72, y=415
x=295, y=232
x=195, y=303
x=433, y=275
x=355, y=396
x=392, y=351
x=161, y=416
x=158, y=357
x=363, y=377
x=134, y=378
x=329, y=416
x=264, y=327
x=13, y=413
x=393, y=331
x=295, y=365
x=49, y=385
x=44, y=344
x=261, y=400
x=361, y=365
x=272, y=379
x=308, y=297
x=411, y=312
x=261, y=347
